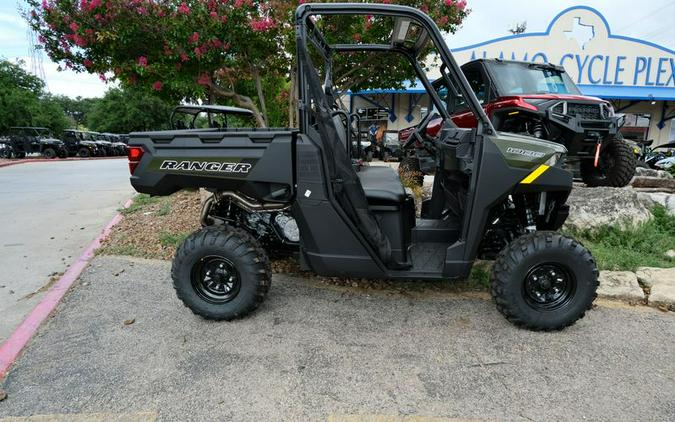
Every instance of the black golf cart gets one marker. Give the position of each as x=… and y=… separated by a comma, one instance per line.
x=77, y=144
x=495, y=195
x=35, y=140
x=210, y=116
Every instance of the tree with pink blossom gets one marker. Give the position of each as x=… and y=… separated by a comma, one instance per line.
x=235, y=51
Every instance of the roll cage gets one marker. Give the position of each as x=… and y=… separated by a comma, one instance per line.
x=405, y=18
x=209, y=110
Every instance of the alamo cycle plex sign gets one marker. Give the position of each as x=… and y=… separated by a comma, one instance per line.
x=601, y=63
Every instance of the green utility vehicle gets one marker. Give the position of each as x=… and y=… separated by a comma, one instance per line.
x=496, y=196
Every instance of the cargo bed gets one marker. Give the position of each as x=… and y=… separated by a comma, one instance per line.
x=255, y=162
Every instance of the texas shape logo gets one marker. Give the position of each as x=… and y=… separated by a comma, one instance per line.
x=580, y=33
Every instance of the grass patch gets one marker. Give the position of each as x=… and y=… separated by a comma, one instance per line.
x=140, y=201
x=479, y=279
x=165, y=208
x=172, y=240
x=129, y=250
x=629, y=248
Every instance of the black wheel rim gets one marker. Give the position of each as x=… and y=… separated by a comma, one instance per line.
x=215, y=279
x=549, y=286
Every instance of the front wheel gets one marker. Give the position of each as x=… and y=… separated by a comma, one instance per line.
x=616, y=166
x=84, y=153
x=49, y=153
x=221, y=273
x=544, y=281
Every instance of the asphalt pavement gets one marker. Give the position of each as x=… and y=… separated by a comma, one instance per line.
x=316, y=352
x=49, y=213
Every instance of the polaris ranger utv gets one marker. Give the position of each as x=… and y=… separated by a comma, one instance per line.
x=494, y=195
x=31, y=140
x=541, y=100
x=77, y=145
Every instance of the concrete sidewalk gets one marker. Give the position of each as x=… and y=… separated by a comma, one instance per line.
x=313, y=352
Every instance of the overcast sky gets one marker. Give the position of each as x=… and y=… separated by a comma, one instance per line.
x=651, y=20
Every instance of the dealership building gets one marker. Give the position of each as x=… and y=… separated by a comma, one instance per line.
x=636, y=76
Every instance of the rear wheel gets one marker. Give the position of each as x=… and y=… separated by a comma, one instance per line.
x=6, y=153
x=84, y=152
x=544, y=281
x=616, y=166
x=49, y=153
x=20, y=154
x=410, y=169
x=221, y=273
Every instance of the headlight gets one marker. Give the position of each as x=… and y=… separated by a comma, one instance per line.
x=556, y=158
x=610, y=110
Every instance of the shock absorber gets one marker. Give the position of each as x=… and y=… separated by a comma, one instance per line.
x=538, y=130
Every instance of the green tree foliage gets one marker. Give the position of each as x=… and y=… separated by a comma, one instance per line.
x=13, y=75
x=23, y=103
x=128, y=110
x=49, y=113
x=76, y=108
x=229, y=51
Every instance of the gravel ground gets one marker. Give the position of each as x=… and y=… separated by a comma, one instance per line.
x=319, y=352
x=154, y=227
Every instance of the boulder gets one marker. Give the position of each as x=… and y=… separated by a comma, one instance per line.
x=621, y=285
x=641, y=171
x=653, y=182
x=666, y=200
x=592, y=208
x=670, y=254
x=661, y=284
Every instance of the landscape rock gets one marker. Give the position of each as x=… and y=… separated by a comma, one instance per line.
x=592, y=208
x=650, y=199
x=622, y=285
x=641, y=171
x=670, y=254
x=653, y=182
x=661, y=283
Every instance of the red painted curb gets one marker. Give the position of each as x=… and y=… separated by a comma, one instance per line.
x=11, y=349
x=56, y=160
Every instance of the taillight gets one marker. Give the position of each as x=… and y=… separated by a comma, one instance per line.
x=134, y=154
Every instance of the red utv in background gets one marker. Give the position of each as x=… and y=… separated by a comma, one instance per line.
x=542, y=101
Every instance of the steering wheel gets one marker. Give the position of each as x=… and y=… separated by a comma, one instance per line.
x=416, y=135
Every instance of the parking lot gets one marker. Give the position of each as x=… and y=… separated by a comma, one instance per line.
x=318, y=352
x=50, y=212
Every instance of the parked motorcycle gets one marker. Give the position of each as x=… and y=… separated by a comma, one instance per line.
x=657, y=157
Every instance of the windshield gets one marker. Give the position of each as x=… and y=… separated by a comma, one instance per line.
x=518, y=79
